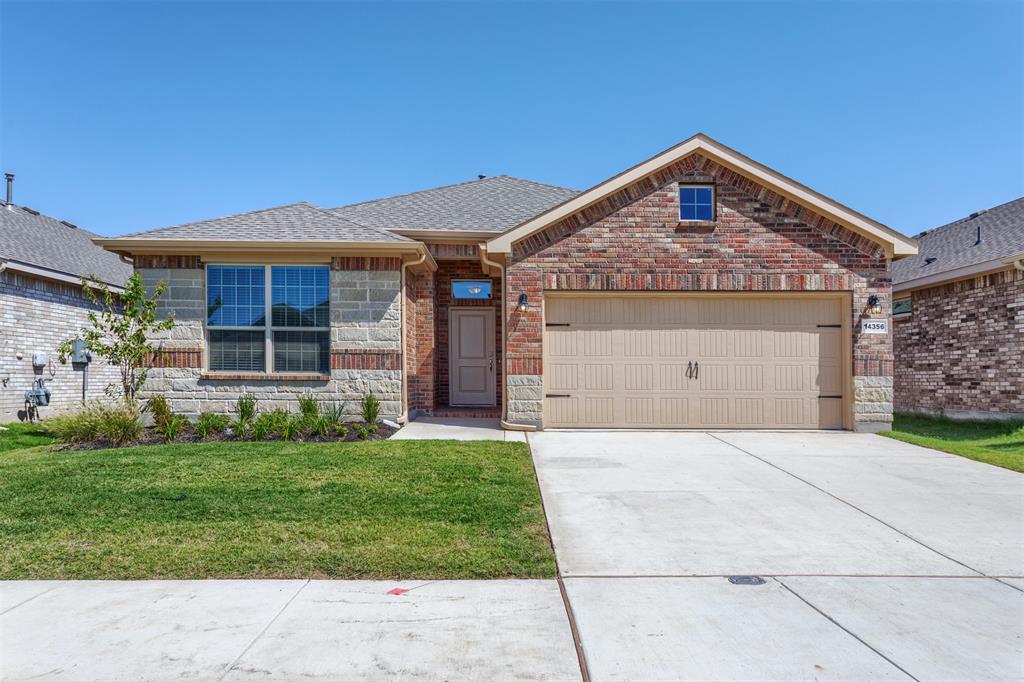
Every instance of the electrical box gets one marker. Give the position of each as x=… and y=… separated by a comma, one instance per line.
x=79, y=353
x=39, y=358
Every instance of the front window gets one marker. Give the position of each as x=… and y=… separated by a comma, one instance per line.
x=239, y=305
x=696, y=202
x=902, y=307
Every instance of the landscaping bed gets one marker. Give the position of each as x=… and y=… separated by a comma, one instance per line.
x=389, y=509
x=994, y=442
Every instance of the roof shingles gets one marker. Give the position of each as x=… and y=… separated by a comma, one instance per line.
x=493, y=204
x=39, y=240
x=953, y=246
x=301, y=221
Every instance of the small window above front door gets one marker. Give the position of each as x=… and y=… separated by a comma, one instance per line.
x=471, y=289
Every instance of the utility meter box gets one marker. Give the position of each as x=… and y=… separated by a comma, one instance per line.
x=79, y=353
x=39, y=358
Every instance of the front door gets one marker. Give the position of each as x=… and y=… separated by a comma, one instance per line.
x=471, y=356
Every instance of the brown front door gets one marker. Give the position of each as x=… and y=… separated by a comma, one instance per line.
x=471, y=356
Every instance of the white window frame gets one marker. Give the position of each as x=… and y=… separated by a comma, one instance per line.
x=697, y=185
x=268, y=327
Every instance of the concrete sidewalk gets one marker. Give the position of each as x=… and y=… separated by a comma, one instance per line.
x=451, y=428
x=284, y=629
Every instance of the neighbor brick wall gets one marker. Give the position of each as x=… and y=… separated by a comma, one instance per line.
x=961, y=350
x=633, y=241
x=39, y=315
x=422, y=366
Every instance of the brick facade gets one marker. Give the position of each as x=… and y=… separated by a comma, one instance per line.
x=38, y=315
x=633, y=241
x=960, y=352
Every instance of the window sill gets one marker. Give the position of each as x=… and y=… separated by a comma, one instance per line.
x=684, y=224
x=276, y=376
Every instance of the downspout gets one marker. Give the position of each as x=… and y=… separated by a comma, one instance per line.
x=404, y=417
x=504, y=345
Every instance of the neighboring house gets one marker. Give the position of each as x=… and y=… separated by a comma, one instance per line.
x=697, y=289
x=959, y=318
x=42, y=263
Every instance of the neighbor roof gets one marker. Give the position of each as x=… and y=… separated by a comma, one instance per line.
x=491, y=204
x=896, y=244
x=293, y=222
x=38, y=240
x=953, y=246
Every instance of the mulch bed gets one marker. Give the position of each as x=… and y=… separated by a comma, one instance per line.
x=188, y=435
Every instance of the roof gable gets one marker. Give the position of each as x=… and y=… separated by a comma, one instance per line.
x=490, y=204
x=895, y=243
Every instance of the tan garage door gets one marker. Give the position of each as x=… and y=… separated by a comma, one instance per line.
x=698, y=362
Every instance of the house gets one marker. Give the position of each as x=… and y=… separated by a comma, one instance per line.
x=42, y=263
x=958, y=318
x=696, y=289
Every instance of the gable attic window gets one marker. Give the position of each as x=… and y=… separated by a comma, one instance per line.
x=282, y=328
x=697, y=203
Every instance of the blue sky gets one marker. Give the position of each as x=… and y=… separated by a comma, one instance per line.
x=128, y=116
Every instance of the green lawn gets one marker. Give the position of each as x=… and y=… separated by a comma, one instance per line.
x=388, y=509
x=999, y=443
x=17, y=436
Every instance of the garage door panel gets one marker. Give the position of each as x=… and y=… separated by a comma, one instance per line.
x=632, y=362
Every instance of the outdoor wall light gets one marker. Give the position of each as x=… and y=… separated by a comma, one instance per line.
x=873, y=304
x=522, y=302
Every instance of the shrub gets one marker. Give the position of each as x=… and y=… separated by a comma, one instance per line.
x=161, y=411
x=240, y=427
x=174, y=427
x=334, y=411
x=269, y=424
x=210, y=424
x=121, y=425
x=362, y=433
x=320, y=426
x=245, y=407
x=341, y=431
x=370, y=408
x=118, y=424
x=292, y=427
x=309, y=408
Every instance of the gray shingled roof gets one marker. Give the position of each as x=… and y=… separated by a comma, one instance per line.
x=298, y=222
x=35, y=239
x=492, y=204
x=953, y=245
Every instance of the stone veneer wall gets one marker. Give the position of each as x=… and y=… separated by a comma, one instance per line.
x=39, y=315
x=366, y=354
x=960, y=352
x=633, y=241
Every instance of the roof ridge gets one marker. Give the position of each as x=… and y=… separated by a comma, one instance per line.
x=222, y=217
x=538, y=183
x=972, y=215
x=408, y=194
x=333, y=216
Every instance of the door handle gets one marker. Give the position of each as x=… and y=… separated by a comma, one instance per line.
x=696, y=370
x=689, y=369
x=490, y=364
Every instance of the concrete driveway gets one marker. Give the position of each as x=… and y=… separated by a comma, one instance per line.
x=880, y=559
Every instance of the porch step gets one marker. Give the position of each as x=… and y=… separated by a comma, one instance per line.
x=467, y=412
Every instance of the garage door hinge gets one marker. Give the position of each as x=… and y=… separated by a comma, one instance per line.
x=556, y=324
x=557, y=395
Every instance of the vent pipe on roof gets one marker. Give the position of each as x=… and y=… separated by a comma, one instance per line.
x=10, y=188
x=978, y=240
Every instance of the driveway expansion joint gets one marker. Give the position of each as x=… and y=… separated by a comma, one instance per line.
x=846, y=630
x=851, y=505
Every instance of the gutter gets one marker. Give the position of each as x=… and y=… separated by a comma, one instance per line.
x=505, y=424
x=404, y=417
x=960, y=273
